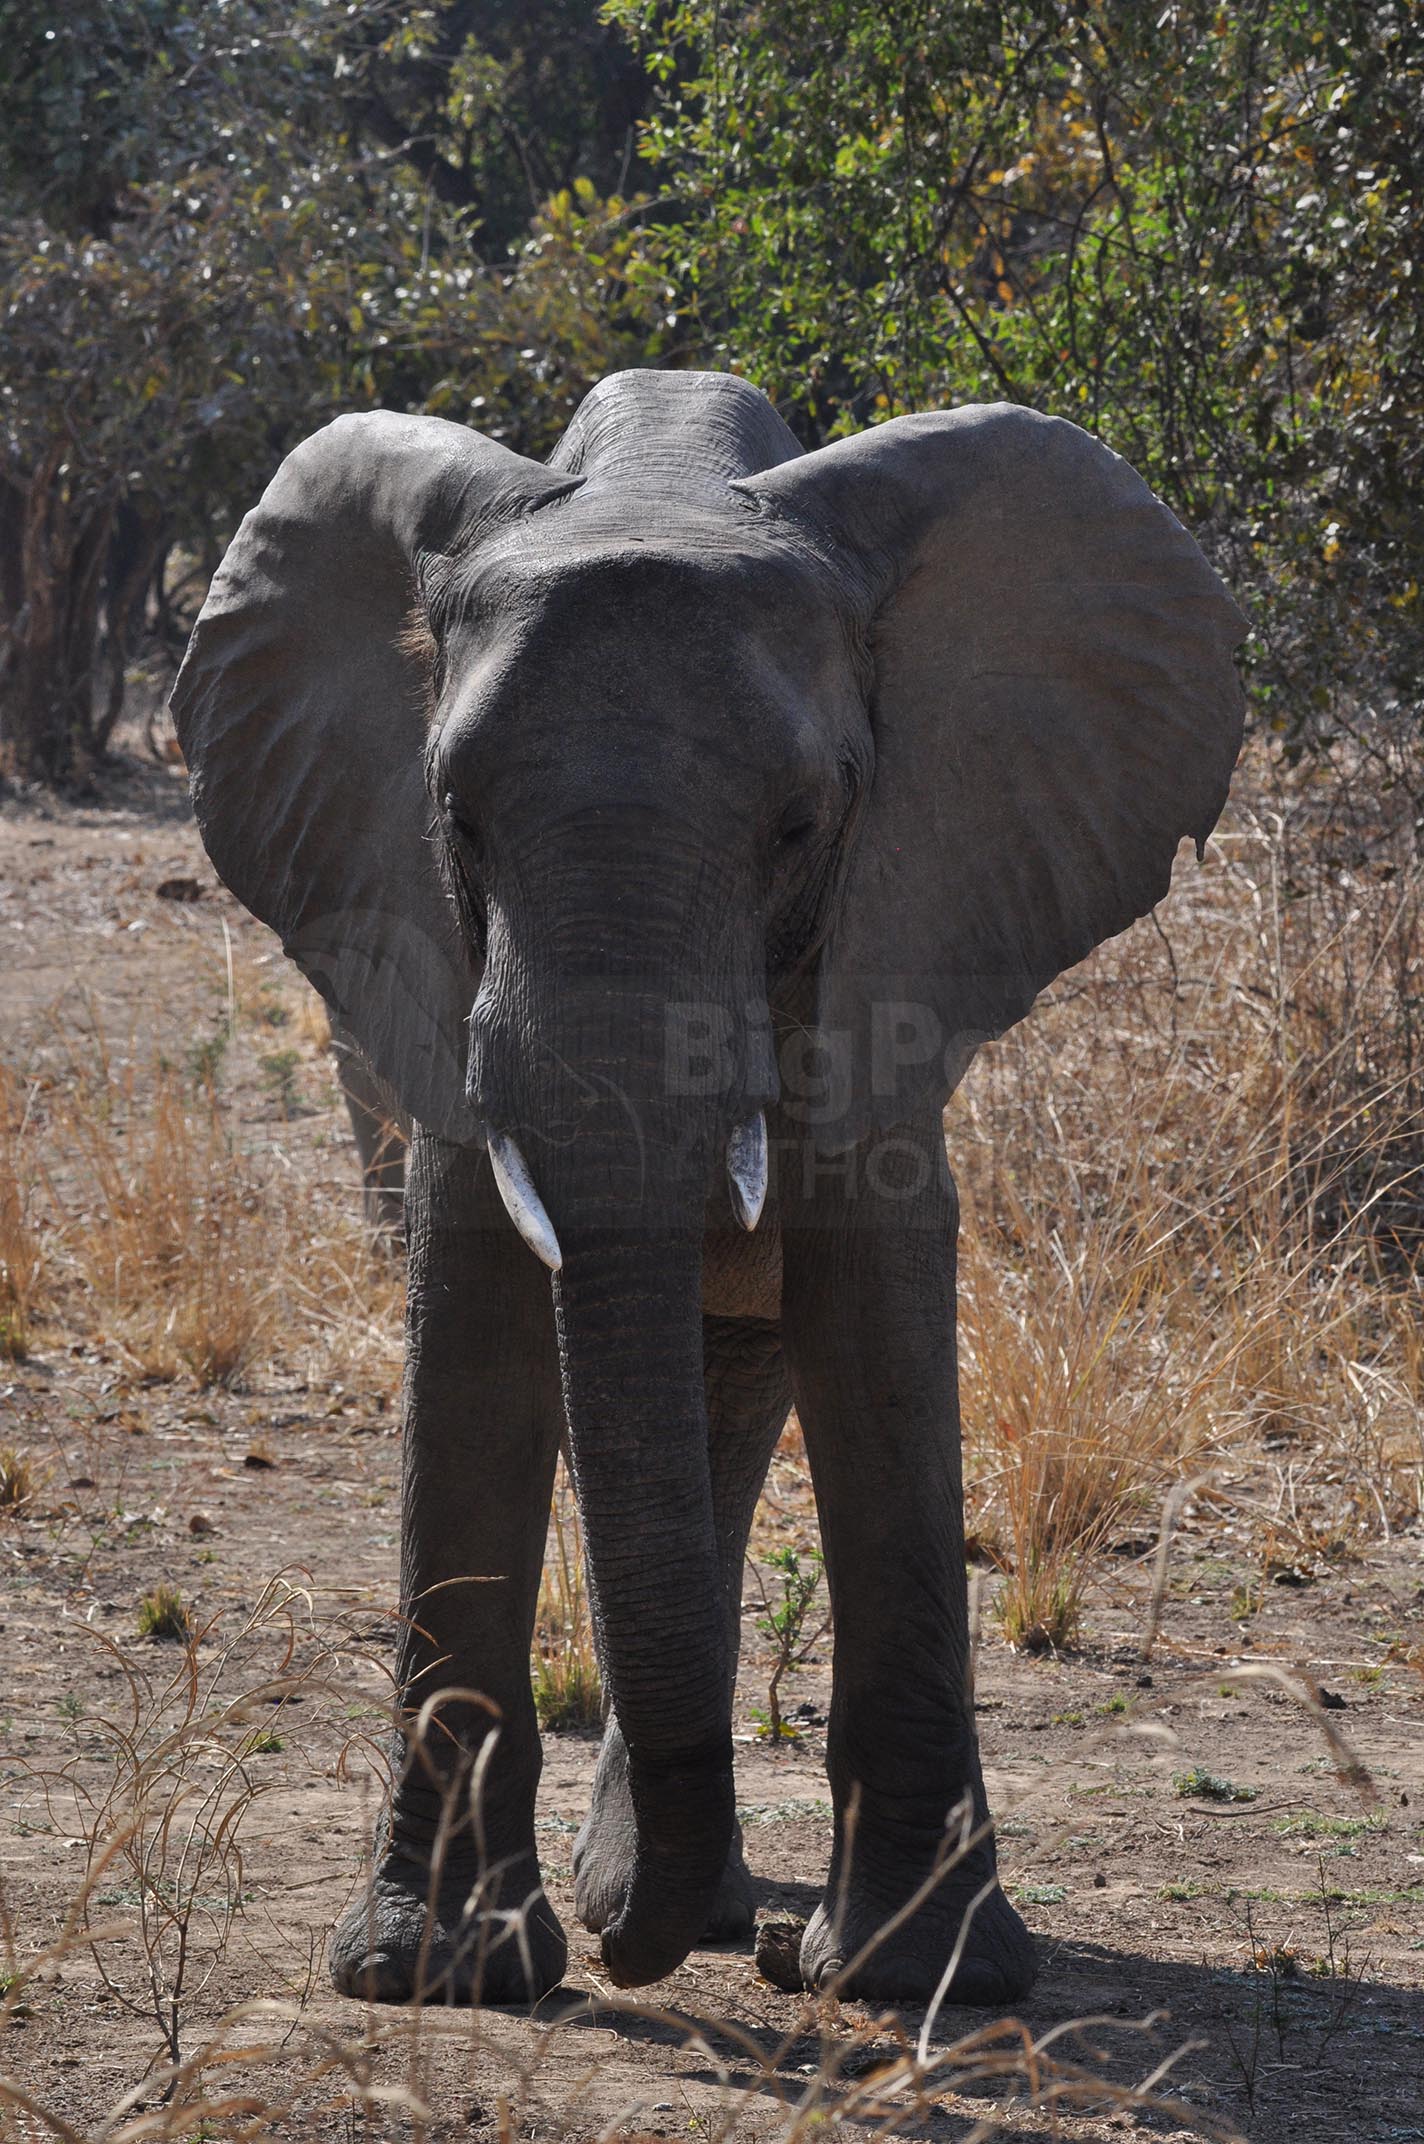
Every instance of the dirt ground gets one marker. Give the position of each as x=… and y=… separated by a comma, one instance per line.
x=1273, y=1946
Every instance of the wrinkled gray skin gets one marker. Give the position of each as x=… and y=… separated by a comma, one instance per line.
x=849, y=753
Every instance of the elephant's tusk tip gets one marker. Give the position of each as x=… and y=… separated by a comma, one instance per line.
x=747, y=1169
x=521, y=1201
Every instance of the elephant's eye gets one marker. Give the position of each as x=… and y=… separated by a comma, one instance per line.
x=798, y=824
x=455, y=818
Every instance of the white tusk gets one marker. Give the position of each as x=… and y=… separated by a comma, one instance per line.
x=522, y=1202
x=746, y=1169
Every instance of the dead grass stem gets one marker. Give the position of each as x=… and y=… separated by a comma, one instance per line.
x=21, y=1254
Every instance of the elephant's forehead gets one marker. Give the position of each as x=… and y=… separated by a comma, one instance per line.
x=707, y=572
x=667, y=647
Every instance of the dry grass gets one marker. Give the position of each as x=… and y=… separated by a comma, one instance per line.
x=167, y=1916
x=568, y=1691
x=1193, y=1215
x=159, y=1806
x=17, y=1479
x=138, y=1209
x=20, y=1248
x=173, y=1238
x=1192, y=1201
x=166, y=1911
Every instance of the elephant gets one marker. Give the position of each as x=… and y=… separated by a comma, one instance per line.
x=667, y=825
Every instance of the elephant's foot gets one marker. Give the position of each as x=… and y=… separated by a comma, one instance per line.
x=603, y=1870
x=997, y=1965
x=496, y=1941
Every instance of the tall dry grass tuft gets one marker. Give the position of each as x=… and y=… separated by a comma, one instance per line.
x=17, y=1479
x=167, y=1229
x=173, y=1235
x=1079, y=1412
x=568, y=1690
x=1194, y=1212
x=20, y=1247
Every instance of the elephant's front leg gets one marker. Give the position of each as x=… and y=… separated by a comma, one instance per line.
x=868, y=1325
x=748, y=1400
x=456, y=1912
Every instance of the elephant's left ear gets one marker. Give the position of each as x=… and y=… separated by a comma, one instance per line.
x=1054, y=706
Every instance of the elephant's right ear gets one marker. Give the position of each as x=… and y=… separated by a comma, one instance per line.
x=303, y=709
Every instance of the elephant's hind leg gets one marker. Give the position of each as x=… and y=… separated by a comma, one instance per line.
x=748, y=1398
x=455, y=1911
x=380, y=1141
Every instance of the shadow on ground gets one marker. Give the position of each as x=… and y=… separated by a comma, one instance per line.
x=1252, y=2049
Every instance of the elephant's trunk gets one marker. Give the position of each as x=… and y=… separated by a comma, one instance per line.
x=630, y=1334
x=612, y=1146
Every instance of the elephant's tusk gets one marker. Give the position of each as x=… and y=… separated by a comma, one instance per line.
x=746, y=1169
x=522, y=1202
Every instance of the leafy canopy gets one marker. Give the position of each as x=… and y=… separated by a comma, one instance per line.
x=1196, y=229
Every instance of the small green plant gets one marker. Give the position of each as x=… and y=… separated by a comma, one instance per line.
x=17, y=1478
x=279, y=1070
x=1040, y=1894
x=12, y=2009
x=1309, y=1824
x=1116, y=1704
x=1246, y=1601
x=164, y=1614
x=1206, y=1786
x=263, y=1744
x=71, y=1706
x=205, y=1058
x=786, y=1627
x=1067, y=1719
x=1179, y=1893
x=1370, y=1894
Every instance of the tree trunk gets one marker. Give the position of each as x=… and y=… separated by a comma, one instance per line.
x=133, y=552
x=51, y=582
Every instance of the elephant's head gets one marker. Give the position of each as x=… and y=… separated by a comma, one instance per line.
x=556, y=781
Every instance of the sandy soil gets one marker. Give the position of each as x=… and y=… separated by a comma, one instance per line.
x=1275, y=1945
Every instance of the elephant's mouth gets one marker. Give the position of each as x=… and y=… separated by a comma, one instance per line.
x=746, y=1165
